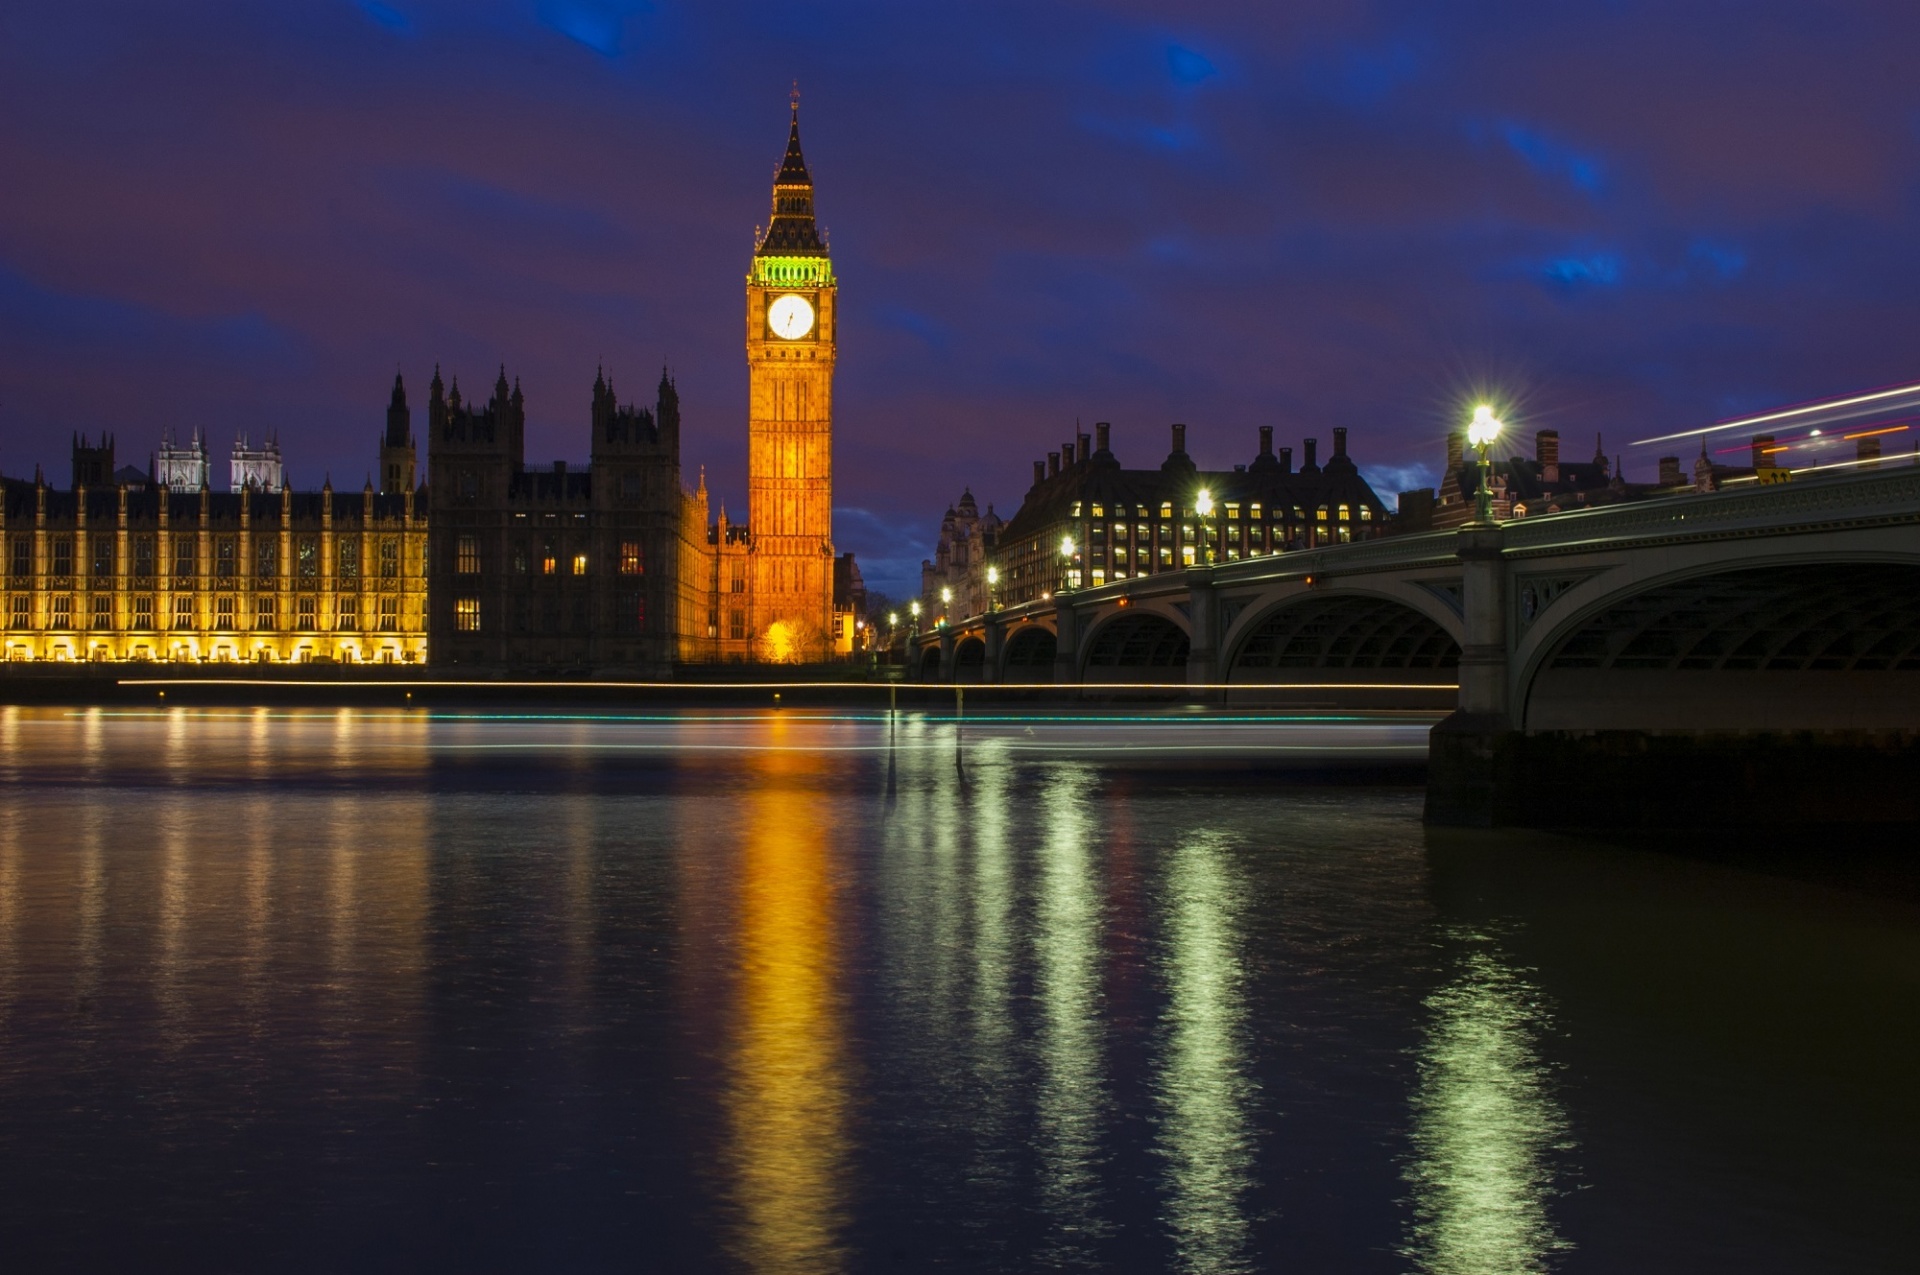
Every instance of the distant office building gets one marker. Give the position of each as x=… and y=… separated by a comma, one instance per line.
x=117, y=569
x=1086, y=520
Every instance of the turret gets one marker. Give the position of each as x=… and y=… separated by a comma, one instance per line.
x=398, y=455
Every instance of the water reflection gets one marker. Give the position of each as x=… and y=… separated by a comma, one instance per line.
x=786, y=1100
x=1072, y=1089
x=1202, y=1088
x=1485, y=1122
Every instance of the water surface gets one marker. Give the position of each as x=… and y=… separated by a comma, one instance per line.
x=780, y=991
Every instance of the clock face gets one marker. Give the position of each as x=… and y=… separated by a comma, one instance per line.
x=790, y=317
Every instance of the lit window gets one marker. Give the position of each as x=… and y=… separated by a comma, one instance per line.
x=1099, y=510
x=1253, y=510
x=467, y=556
x=466, y=614
x=307, y=618
x=142, y=612
x=1366, y=513
x=631, y=562
x=63, y=612
x=23, y=611
x=1343, y=513
x=348, y=559
x=389, y=614
x=349, y=617
x=263, y=617
x=307, y=554
x=182, y=613
x=389, y=558
x=549, y=562
x=223, y=614
x=579, y=564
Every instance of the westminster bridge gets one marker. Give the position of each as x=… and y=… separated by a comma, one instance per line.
x=1687, y=658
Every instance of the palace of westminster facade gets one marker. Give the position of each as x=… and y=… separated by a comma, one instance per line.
x=487, y=563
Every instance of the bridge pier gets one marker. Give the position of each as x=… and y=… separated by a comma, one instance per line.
x=1203, y=653
x=996, y=640
x=1467, y=779
x=946, y=652
x=1066, y=652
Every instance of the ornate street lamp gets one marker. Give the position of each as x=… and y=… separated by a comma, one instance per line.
x=1203, y=505
x=993, y=578
x=946, y=603
x=1482, y=430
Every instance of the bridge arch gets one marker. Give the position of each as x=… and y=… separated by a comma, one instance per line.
x=1343, y=631
x=929, y=666
x=1136, y=646
x=969, y=658
x=1029, y=654
x=1824, y=644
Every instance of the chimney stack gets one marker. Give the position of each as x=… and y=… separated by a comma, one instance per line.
x=1039, y=472
x=1310, y=466
x=1103, y=434
x=1179, y=438
x=1456, y=450
x=1066, y=455
x=1546, y=450
x=1053, y=464
x=1266, y=440
x=1868, y=452
x=1670, y=471
x=1763, y=452
x=1286, y=460
x=1340, y=441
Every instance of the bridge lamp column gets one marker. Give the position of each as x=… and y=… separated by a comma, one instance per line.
x=946, y=603
x=1203, y=505
x=1069, y=559
x=993, y=580
x=1482, y=431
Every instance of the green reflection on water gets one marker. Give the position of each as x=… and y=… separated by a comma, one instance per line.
x=1485, y=1122
x=1071, y=1095
x=1203, y=1091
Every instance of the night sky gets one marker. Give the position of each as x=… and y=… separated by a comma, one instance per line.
x=1623, y=218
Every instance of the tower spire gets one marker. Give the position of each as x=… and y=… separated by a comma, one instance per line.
x=792, y=230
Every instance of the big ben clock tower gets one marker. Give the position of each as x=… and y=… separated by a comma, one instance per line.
x=790, y=351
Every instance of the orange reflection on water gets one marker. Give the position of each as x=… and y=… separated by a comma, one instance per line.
x=787, y=1093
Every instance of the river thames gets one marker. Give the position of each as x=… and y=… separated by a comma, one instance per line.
x=770, y=991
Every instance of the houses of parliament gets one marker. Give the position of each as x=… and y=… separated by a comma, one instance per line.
x=488, y=563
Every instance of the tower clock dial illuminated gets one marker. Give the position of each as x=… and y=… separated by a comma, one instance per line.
x=790, y=317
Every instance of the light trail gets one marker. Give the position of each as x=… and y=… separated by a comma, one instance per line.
x=380, y=684
x=1839, y=406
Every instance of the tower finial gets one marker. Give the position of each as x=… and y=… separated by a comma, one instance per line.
x=796, y=96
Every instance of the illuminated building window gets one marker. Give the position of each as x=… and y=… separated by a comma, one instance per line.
x=263, y=619
x=466, y=556
x=143, y=612
x=1186, y=554
x=1166, y=509
x=1076, y=509
x=389, y=557
x=389, y=614
x=1321, y=513
x=22, y=558
x=1166, y=555
x=1343, y=513
x=306, y=553
x=1099, y=510
x=549, y=561
x=103, y=611
x=23, y=611
x=224, y=551
x=466, y=614
x=631, y=561
x=62, y=612
x=62, y=558
x=223, y=614
x=1366, y=513
x=347, y=561
x=349, y=617
x=1099, y=576
x=307, y=615
x=579, y=564
x=183, y=613
x=1346, y=534
x=1233, y=509
x=103, y=559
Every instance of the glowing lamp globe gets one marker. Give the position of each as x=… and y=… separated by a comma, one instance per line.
x=1484, y=427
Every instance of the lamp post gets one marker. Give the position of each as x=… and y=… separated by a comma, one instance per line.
x=993, y=579
x=1203, y=505
x=1482, y=430
x=893, y=623
x=1067, y=559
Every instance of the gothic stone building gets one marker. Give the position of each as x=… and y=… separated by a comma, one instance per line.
x=556, y=568
x=116, y=569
